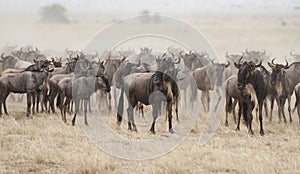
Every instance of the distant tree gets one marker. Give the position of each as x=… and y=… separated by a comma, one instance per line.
x=54, y=13
x=145, y=18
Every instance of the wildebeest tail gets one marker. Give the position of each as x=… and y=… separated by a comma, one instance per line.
x=58, y=100
x=229, y=107
x=120, y=106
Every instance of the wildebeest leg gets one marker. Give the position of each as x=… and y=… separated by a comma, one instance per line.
x=155, y=115
x=289, y=108
x=52, y=96
x=233, y=110
x=132, y=103
x=4, y=103
x=226, y=110
x=76, y=111
x=89, y=102
x=169, y=111
x=28, y=104
x=33, y=102
x=249, y=107
x=266, y=108
x=203, y=100
x=115, y=96
x=66, y=103
x=219, y=99
x=282, y=103
x=260, y=105
x=62, y=104
x=272, y=106
x=208, y=100
x=298, y=108
x=85, y=103
x=185, y=95
x=176, y=109
x=279, y=108
x=141, y=109
x=239, y=116
x=109, y=101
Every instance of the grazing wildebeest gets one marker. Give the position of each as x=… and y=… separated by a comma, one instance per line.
x=248, y=74
x=83, y=88
x=24, y=82
x=282, y=85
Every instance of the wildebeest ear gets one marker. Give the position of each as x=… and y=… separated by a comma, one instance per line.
x=237, y=65
x=270, y=65
x=35, y=61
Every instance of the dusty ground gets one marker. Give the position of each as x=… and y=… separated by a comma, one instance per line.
x=44, y=144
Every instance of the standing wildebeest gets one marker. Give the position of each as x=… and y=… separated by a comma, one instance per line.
x=282, y=85
x=297, y=104
x=205, y=80
x=219, y=72
x=240, y=97
x=111, y=66
x=149, y=89
x=13, y=62
x=83, y=88
x=248, y=74
x=25, y=82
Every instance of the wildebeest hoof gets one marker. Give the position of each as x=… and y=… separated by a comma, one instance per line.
x=237, y=129
x=119, y=123
x=226, y=124
x=262, y=133
x=251, y=132
x=86, y=123
x=73, y=123
x=171, y=131
x=152, y=131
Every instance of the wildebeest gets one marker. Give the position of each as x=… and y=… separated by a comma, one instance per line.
x=13, y=62
x=283, y=88
x=149, y=89
x=83, y=88
x=297, y=103
x=219, y=77
x=248, y=74
x=205, y=80
x=24, y=82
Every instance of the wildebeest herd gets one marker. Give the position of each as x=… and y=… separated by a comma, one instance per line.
x=161, y=79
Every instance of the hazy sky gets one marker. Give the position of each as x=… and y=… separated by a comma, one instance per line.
x=162, y=6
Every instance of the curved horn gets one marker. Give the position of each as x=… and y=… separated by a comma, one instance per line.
x=286, y=64
x=246, y=51
x=228, y=63
x=2, y=56
x=178, y=61
x=273, y=61
x=259, y=64
x=239, y=62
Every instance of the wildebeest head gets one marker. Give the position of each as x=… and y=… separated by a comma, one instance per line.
x=124, y=69
x=245, y=71
x=166, y=64
x=102, y=83
x=219, y=68
x=8, y=61
x=194, y=60
x=277, y=71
